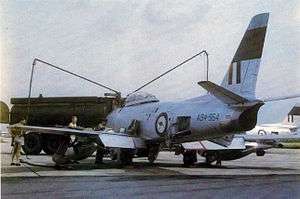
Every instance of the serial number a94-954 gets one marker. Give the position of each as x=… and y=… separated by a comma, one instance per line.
x=208, y=117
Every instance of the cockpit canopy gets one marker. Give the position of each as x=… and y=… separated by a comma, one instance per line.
x=140, y=98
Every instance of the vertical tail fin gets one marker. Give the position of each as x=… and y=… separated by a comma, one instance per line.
x=242, y=73
x=293, y=116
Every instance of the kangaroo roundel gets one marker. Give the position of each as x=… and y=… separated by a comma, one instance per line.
x=161, y=123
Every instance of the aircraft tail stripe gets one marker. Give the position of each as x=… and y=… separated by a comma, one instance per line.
x=251, y=46
x=252, y=43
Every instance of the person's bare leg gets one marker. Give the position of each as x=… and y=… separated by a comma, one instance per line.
x=13, y=155
x=18, y=154
x=12, y=158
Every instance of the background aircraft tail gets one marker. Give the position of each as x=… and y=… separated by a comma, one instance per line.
x=293, y=117
x=242, y=74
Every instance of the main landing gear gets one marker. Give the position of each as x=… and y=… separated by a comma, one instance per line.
x=260, y=152
x=189, y=157
x=122, y=156
x=153, y=153
x=210, y=158
x=125, y=156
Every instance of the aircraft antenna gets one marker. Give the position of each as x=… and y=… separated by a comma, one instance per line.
x=175, y=67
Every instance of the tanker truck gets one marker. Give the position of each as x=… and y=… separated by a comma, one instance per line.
x=57, y=111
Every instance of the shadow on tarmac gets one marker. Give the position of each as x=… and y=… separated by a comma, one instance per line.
x=139, y=166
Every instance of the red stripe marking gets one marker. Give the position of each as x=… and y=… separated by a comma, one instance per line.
x=202, y=145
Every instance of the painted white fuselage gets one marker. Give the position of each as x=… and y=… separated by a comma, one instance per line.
x=208, y=117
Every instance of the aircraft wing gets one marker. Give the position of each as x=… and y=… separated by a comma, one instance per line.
x=108, y=138
x=236, y=143
x=120, y=140
x=270, y=99
x=241, y=141
x=55, y=130
x=271, y=137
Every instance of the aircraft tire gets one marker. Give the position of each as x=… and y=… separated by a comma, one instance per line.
x=219, y=163
x=280, y=145
x=151, y=159
x=126, y=157
x=99, y=156
x=153, y=153
x=189, y=158
x=32, y=144
x=260, y=152
x=208, y=160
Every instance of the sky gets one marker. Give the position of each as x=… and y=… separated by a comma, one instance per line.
x=124, y=44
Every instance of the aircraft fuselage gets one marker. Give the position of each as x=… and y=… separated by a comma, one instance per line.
x=206, y=118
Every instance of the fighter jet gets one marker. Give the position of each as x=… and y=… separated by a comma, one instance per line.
x=257, y=140
x=144, y=124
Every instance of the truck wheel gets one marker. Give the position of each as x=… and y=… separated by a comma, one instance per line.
x=50, y=144
x=32, y=144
